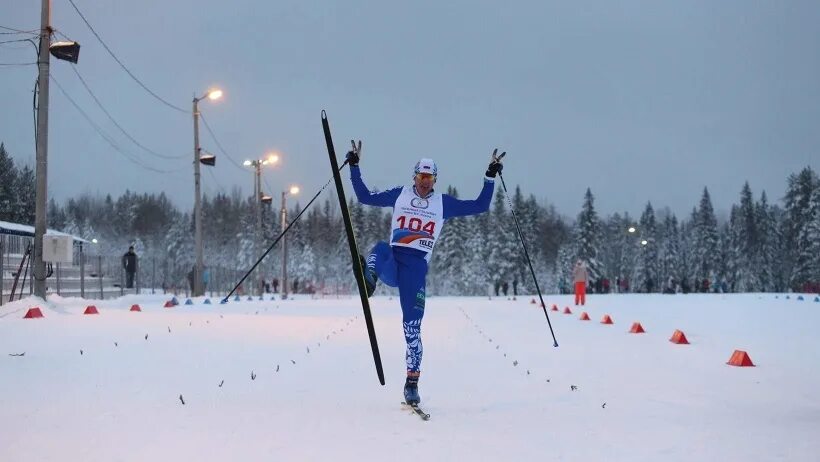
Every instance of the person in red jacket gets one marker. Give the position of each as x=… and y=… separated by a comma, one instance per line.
x=580, y=276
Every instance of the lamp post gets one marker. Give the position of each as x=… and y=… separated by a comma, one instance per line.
x=212, y=95
x=66, y=51
x=292, y=190
x=259, y=198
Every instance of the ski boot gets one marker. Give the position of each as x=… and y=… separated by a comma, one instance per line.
x=370, y=277
x=411, y=390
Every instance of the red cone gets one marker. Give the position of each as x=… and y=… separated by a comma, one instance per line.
x=135, y=308
x=636, y=328
x=567, y=310
x=33, y=313
x=678, y=337
x=169, y=304
x=584, y=316
x=741, y=359
x=91, y=309
x=606, y=320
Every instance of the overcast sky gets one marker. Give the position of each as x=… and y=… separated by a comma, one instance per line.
x=638, y=100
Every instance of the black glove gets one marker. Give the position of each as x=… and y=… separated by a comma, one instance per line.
x=495, y=164
x=352, y=158
x=354, y=154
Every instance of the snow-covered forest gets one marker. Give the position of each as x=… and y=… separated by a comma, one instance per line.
x=765, y=244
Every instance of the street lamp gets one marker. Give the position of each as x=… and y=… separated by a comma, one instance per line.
x=293, y=190
x=259, y=198
x=212, y=94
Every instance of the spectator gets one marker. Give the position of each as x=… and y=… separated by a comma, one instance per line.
x=580, y=277
x=275, y=285
x=129, y=262
x=505, y=287
x=515, y=287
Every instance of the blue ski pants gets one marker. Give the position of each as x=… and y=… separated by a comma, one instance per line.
x=406, y=269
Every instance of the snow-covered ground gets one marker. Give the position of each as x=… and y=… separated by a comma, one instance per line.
x=294, y=380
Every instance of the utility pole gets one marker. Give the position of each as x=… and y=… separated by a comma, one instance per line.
x=197, y=288
x=43, y=62
x=258, y=199
x=284, y=213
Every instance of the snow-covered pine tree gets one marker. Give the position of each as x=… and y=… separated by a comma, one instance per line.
x=705, y=249
x=25, y=190
x=56, y=216
x=747, y=243
x=564, y=264
x=670, y=252
x=731, y=250
x=8, y=180
x=647, y=269
x=589, y=237
x=799, y=214
x=806, y=273
x=769, y=251
x=179, y=252
x=502, y=256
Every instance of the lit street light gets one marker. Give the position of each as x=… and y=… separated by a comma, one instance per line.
x=293, y=190
x=260, y=198
x=212, y=95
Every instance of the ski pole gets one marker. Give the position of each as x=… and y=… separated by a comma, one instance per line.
x=529, y=262
x=279, y=237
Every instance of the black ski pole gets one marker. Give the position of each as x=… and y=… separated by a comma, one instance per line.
x=354, y=251
x=529, y=262
x=278, y=238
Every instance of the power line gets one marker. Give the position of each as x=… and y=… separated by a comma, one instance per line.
x=108, y=139
x=96, y=100
x=215, y=179
x=218, y=144
x=16, y=40
x=19, y=31
x=123, y=65
x=17, y=64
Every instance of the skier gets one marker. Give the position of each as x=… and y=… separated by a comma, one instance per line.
x=419, y=212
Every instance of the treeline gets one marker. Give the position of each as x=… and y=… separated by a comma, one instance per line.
x=762, y=246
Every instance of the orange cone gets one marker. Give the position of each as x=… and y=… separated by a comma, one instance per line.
x=679, y=338
x=606, y=320
x=91, y=309
x=135, y=308
x=636, y=328
x=741, y=359
x=584, y=316
x=33, y=313
x=567, y=310
x=169, y=304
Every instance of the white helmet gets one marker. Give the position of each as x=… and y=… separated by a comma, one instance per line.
x=426, y=166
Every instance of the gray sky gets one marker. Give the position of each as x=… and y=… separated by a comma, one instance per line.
x=639, y=100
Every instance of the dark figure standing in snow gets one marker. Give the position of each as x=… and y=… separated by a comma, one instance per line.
x=419, y=213
x=129, y=262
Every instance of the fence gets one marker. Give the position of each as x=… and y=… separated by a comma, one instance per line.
x=95, y=276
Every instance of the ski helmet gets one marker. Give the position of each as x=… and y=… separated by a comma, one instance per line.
x=426, y=166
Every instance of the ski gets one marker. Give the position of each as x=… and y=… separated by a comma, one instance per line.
x=354, y=251
x=417, y=410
